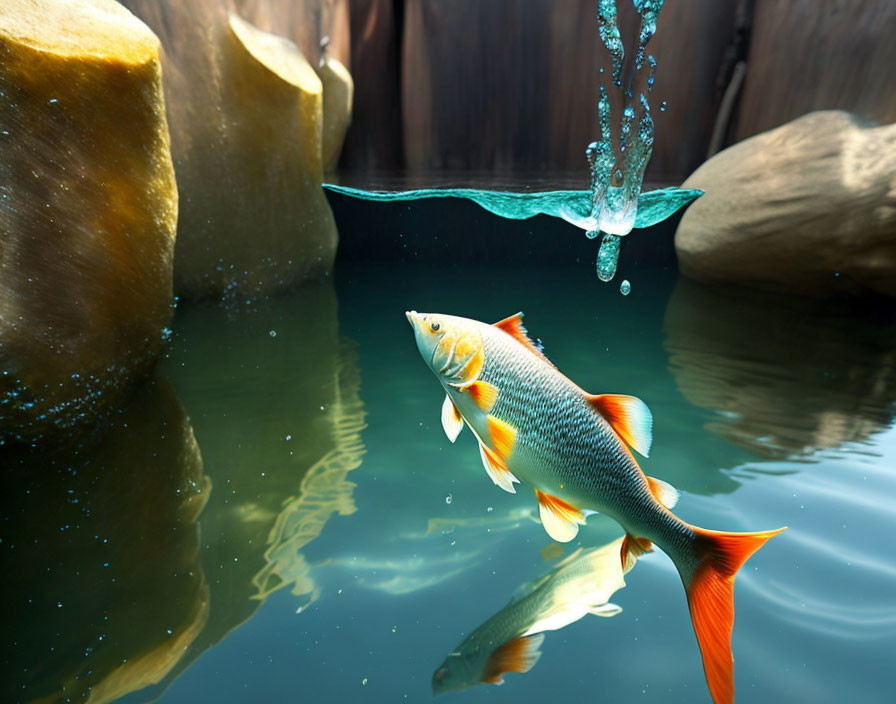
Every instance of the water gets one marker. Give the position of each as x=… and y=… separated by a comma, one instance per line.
x=282, y=516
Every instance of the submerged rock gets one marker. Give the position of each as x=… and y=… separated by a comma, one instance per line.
x=88, y=209
x=245, y=109
x=806, y=208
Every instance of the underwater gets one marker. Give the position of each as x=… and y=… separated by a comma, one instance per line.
x=392, y=350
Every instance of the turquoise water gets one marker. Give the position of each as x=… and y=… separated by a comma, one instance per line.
x=279, y=516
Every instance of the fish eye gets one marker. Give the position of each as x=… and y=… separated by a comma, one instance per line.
x=434, y=326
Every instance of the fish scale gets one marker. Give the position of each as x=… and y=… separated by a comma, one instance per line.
x=563, y=446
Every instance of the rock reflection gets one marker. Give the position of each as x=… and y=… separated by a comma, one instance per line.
x=785, y=377
x=274, y=397
x=510, y=640
x=103, y=590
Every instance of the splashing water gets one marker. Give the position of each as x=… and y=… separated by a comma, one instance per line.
x=617, y=169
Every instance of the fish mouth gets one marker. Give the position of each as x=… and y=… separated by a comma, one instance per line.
x=411, y=315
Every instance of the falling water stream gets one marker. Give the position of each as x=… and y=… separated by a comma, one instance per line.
x=617, y=167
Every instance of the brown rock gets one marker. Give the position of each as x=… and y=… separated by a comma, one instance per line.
x=808, y=208
x=88, y=208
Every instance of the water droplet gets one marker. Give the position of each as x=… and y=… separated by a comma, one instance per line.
x=625, y=287
x=663, y=106
x=489, y=509
x=629, y=112
x=448, y=499
x=273, y=333
x=364, y=682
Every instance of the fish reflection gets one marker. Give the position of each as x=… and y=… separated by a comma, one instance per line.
x=785, y=377
x=510, y=641
x=103, y=588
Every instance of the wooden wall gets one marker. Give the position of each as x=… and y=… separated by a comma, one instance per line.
x=510, y=85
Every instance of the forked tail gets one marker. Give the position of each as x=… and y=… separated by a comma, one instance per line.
x=709, y=583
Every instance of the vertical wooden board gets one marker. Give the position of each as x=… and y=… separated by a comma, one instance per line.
x=810, y=55
x=513, y=85
x=374, y=138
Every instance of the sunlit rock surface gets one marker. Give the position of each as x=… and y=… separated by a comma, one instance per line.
x=338, y=93
x=732, y=352
x=88, y=209
x=103, y=588
x=245, y=109
x=809, y=207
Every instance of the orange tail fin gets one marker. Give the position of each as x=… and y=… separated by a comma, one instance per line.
x=711, y=601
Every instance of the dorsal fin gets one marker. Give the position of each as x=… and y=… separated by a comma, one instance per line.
x=514, y=327
x=628, y=416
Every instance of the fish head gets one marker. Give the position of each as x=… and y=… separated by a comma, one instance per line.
x=451, y=346
x=458, y=671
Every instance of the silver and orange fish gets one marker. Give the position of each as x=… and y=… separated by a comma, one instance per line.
x=537, y=427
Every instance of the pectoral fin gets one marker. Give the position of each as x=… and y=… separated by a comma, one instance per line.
x=560, y=519
x=452, y=422
x=483, y=394
x=517, y=655
x=497, y=470
x=629, y=417
x=503, y=436
x=605, y=610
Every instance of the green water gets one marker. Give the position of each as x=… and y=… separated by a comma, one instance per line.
x=278, y=516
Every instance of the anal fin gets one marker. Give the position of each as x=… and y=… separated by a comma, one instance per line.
x=560, y=519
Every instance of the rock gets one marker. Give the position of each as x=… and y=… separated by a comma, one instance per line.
x=88, y=209
x=245, y=109
x=338, y=94
x=807, y=208
x=783, y=376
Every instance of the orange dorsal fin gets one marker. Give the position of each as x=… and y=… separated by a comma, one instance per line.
x=497, y=470
x=711, y=602
x=517, y=655
x=483, y=394
x=503, y=436
x=452, y=422
x=514, y=327
x=628, y=416
x=560, y=519
x=632, y=548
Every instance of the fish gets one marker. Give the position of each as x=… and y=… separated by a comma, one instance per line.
x=510, y=640
x=535, y=426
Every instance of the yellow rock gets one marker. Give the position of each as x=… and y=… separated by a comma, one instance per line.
x=88, y=209
x=253, y=215
x=339, y=90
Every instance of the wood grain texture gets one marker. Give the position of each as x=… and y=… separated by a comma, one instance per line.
x=810, y=55
x=374, y=140
x=512, y=84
